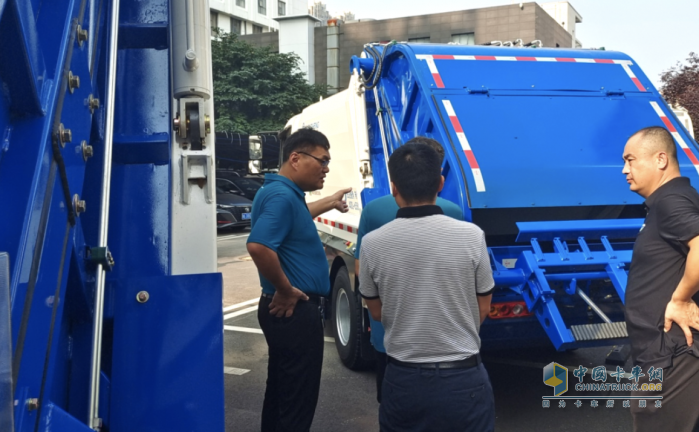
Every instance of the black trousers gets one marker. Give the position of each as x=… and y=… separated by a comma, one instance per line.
x=678, y=411
x=436, y=400
x=295, y=362
x=381, y=363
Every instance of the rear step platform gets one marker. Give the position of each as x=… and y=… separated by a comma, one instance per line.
x=587, y=332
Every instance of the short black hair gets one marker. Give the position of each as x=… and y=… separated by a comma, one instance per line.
x=430, y=142
x=416, y=171
x=304, y=139
x=658, y=138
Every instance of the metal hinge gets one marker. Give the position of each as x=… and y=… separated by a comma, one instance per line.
x=101, y=255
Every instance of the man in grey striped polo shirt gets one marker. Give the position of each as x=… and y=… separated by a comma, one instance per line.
x=427, y=278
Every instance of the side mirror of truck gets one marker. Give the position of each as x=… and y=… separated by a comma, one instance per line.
x=255, y=150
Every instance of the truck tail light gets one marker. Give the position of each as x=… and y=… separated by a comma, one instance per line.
x=508, y=310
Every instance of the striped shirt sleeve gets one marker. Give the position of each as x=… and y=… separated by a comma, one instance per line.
x=484, y=274
x=367, y=286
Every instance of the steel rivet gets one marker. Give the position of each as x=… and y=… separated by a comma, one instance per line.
x=93, y=103
x=81, y=35
x=64, y=135
x=73, y=81
x=88, y=151
x=142, y=296
x=78, y=204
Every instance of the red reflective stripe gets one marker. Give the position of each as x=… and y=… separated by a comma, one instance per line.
x=349, y=228
x=485, y=57
x=526, y=58
x=638, y=84
x=565, y=59
x=471, y=159
x=456, y=124
x=438, y=80
x=325, y=221
x=443, y=57
x=668, y=124
x=604, y=61
x=332, y=223
x=342, y=226
x=691, y=156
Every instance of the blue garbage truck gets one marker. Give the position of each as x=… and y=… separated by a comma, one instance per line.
x=533, y=140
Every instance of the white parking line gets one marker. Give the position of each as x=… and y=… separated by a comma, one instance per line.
x=258, y=331
x=235, y=371
x=232, y=237
x=240, y=312
x=239, y=305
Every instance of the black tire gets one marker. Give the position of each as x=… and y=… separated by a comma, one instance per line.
x=346, y=322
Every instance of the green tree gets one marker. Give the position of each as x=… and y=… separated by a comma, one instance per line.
x=256, y=89
x=681, y=87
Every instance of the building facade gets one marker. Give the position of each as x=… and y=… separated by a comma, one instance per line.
x=246, y=17
x=525, y=21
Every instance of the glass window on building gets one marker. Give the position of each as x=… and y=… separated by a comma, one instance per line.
x=464, y=38
x=214, y=23
x=262, y=7
x=240, y=3
x=256, y=29
x=420, y=40
x=282, y=8
x=236, y=26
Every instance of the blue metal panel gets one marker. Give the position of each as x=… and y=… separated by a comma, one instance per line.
x=172, y=346
x=572, y=230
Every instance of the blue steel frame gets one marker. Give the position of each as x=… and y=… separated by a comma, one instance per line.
x=602, y=107
x=162, y=361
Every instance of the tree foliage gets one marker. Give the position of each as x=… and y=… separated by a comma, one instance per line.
x=681, y=87
x=256, y=89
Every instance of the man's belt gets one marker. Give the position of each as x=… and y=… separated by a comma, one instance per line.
x=466, y=363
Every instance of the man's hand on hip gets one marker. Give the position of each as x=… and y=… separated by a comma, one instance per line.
x=283, y=304
x=683, y=313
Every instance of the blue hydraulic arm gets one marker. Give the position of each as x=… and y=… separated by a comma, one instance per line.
x=156, y=351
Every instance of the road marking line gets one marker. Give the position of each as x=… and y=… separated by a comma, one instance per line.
x=235, y=371
x=240, y=312
x=258, y=331
x=232, y=237
x=239, y=305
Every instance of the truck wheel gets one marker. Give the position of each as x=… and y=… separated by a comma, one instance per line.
x=347, y=322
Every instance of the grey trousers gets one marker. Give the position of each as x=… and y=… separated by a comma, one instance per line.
x=680, y=404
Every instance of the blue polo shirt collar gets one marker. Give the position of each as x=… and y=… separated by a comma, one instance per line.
x=280, y=178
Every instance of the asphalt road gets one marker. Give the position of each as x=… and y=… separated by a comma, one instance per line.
x=347, y=398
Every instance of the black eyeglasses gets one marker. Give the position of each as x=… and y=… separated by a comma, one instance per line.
x=323, y=162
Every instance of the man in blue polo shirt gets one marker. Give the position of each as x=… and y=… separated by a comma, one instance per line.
x=290, y=258
x=376, y=214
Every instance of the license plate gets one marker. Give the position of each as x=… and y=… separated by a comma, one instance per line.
x=246, y=216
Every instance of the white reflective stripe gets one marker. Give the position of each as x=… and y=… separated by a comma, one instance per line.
x=584, y=60
x=545, y=59
x=623, y=62
x=422, y=56
x=480, y=184
x=431, y=65
x=506, y=58
x=628, y=70
x=449, y=108
x=657, y=109
x=464, y=57
x=679, y=140
x=464, y=142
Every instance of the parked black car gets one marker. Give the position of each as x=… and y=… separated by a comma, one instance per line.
x=239, y=185
x=232, y=210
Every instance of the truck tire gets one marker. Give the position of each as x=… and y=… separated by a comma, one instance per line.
x=347, y=322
